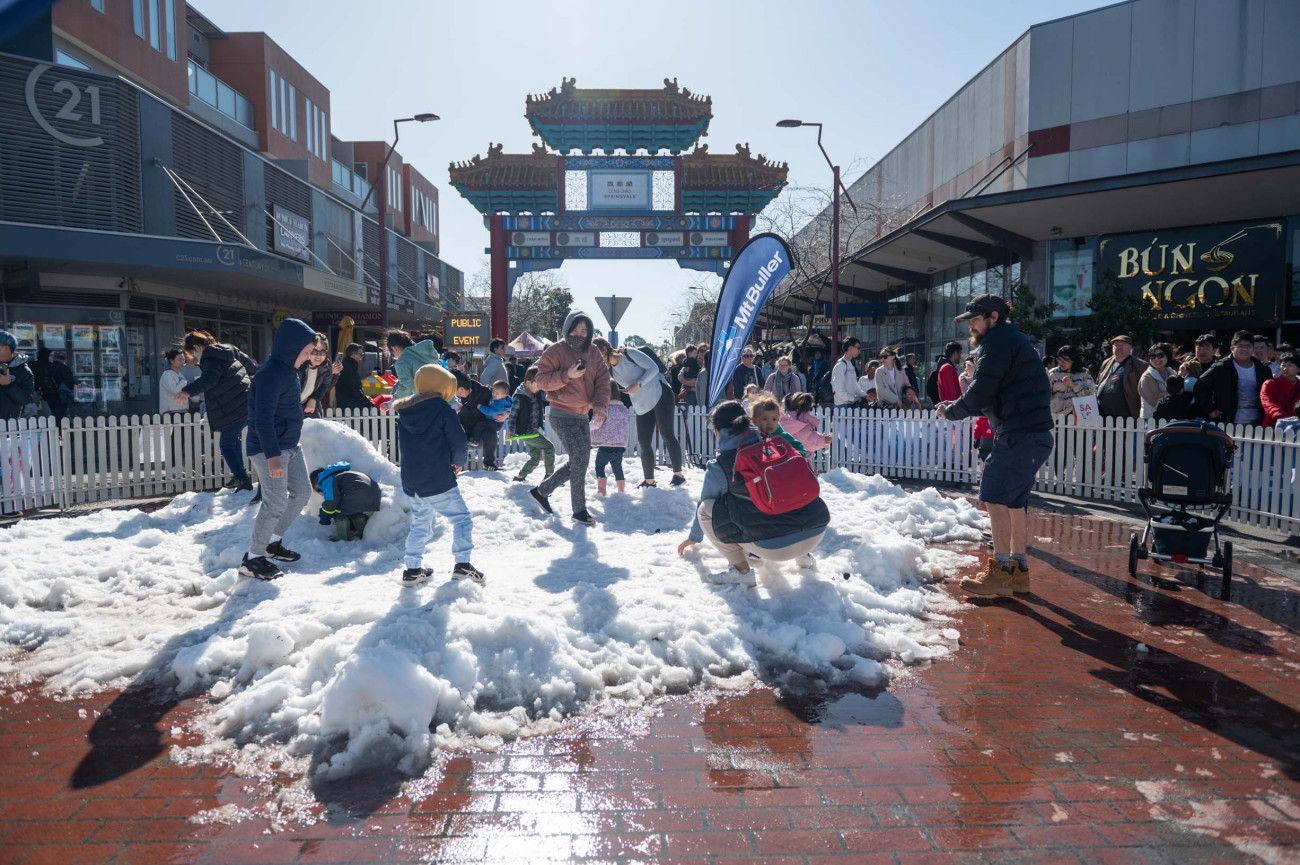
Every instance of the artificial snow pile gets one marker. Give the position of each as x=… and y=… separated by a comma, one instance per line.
x=337, y=661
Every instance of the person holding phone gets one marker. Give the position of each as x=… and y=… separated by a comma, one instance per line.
x=318, y=375
x=575, y=377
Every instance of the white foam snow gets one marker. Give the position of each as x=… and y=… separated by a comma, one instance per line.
x=337, y=661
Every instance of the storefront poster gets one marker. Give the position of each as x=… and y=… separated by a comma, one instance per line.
x=110, y=364
x=1072, y=276
x=1203, y=277
x=25, y=333
x=108, y=336
x=83, y=336
x=83, y=363
x=85, y=393
x=113, y=390
x=54, y=335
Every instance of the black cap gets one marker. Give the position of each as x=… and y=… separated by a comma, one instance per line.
x=983, y=305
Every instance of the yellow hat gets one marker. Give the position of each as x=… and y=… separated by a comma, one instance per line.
x=432, y=378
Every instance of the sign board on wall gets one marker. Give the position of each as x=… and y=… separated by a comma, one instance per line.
x=292, y=235
x=466, y=330
x=618, y=190
x=432, y=287
x=1207, y=276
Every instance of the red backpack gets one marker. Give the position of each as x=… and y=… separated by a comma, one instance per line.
x=776, y=476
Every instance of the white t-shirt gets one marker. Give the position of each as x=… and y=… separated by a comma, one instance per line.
x=1247, y=395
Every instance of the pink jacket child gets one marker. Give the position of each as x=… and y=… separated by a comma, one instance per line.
x=803, y=426
x=616, y=429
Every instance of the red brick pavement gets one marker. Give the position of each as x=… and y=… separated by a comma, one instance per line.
x=1099, y=720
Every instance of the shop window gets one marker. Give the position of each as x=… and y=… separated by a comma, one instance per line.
x=1073, y=276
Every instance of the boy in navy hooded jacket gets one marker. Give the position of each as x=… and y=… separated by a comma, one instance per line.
x=433, y=447
x=274, y=426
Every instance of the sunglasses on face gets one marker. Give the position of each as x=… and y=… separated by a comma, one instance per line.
x=1155, y=355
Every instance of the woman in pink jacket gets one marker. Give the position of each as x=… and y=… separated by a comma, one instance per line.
x=799, y=422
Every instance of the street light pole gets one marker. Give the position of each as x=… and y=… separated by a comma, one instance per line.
x=836, y=188
x=381, y=205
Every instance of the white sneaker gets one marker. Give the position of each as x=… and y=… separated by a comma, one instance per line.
x=732, y=577
x=805, y=562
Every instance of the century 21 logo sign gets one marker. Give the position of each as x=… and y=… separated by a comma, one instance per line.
x=71, y=110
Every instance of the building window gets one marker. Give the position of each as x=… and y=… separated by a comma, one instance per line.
x=394, y=190
x=63, y=58
x=291, y=109
x=309, y=114
x=324, y=135
x=137, y=17
x=275, y=113
x=169, y=32
x=97, y=5
x=153, y=24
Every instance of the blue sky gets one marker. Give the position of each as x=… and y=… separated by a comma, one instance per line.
x=871, y=71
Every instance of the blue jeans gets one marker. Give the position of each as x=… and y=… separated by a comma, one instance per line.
x=232, y=450
x=453, y=508
x=613, y=458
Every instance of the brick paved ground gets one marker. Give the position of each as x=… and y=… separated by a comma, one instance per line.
x=1099, y=720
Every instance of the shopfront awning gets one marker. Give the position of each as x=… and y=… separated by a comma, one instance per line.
x=992, y=227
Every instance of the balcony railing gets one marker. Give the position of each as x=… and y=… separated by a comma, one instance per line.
x=345, y=178
x=220, y=96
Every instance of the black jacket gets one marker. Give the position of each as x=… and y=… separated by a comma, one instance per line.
x=224, y=374
x=742, y=378
x=1011, y=387
x=324, y=380
x=527, y=412
x=15, y=396
x=1216, y=389
x=347, y=390
x=59, y=385
x=737, y=520
x=347, y=493
x=479, y=395
x=1180, y=407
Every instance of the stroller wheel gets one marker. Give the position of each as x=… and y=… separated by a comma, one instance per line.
x=1225, y=589
x=1133, y=555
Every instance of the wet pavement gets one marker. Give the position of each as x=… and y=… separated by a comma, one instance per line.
x=1100, y=719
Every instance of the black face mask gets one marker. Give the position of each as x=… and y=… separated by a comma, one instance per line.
x=575, y=342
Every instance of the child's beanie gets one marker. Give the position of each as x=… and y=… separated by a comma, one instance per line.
x=432, y=378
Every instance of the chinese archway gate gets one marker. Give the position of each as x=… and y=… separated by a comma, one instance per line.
x=618, y=175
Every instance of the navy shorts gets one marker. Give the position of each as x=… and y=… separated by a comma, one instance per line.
x=1010, y=470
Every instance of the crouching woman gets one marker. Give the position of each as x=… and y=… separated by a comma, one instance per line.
x=733, y=522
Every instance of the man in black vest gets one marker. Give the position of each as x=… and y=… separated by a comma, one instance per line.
x=1012, y=391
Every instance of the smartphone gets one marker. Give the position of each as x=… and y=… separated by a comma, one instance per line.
x=338, y=358
x=582, y=363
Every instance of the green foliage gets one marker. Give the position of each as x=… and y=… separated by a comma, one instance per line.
x=635, y=341
x=1033, y=319
x=540, y=304
x=1114, y=312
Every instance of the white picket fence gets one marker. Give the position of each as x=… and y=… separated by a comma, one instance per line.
x=109, y=458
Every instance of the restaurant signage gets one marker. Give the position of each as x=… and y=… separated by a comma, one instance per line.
x=1208, y=276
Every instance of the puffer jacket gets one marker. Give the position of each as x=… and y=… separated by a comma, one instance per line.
x=736, y=519
x=224, y=375
x=1081, y=384
x=1009, y=387
x=274, y=407
x=421, y=354
x=527, y=412
x=20, y=392
x=804, y=427
x=432, y=439
x=574, y=395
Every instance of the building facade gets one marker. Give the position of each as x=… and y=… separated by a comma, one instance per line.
x=158, y=175
x=1156, y=142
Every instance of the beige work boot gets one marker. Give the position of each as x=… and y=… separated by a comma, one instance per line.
x=994, y=580
x=1019, y=578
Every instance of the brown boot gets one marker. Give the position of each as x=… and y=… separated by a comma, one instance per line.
x=994, y=580
x=1019, y=578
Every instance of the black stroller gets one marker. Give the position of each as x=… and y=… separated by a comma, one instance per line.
x=1186, y=495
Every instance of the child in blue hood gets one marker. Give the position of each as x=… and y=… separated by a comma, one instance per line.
x=274, y=426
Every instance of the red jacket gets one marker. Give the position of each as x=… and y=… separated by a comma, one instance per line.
x=949, y=383
x=1278, y=396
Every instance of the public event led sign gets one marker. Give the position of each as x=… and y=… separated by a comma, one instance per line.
x=466, y=330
